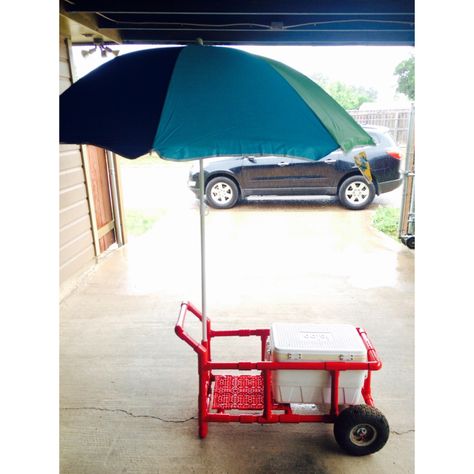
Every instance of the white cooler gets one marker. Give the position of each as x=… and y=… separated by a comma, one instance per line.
x=315, y=343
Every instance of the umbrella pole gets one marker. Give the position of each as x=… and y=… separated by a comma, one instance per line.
x=202, y=211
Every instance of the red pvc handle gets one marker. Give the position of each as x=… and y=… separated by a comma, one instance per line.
x=179, y=328
x=372, y=355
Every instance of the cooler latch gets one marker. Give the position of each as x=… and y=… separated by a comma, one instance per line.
x=294, y=356
x=346, y=357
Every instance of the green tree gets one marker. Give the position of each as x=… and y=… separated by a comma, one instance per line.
x=406, y=77
x=349, y=97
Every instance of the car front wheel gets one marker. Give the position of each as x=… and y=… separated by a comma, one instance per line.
x=356, y=193
x=222, y=193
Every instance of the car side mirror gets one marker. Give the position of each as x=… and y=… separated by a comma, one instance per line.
x=251, y=159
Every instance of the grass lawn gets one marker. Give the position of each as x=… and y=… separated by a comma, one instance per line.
x=386, y=220
x=138, y=221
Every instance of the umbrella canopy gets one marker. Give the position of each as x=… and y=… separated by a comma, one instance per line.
x=200, y=101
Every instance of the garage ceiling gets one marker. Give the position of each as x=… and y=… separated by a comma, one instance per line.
x=288, y=22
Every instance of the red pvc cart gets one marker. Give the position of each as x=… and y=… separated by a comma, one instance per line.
x=359, y=429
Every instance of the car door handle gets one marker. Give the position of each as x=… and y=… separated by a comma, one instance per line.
x=329, y=160
x=283, y=163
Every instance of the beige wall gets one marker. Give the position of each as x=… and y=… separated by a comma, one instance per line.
x=76, y=242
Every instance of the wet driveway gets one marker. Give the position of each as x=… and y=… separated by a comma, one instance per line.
x=129, y=385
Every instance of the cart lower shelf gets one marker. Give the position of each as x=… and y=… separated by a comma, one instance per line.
x=238, y=392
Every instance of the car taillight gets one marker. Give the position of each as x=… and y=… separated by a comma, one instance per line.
x=394, y=154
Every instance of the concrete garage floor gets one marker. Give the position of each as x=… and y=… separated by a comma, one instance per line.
x=129, y=385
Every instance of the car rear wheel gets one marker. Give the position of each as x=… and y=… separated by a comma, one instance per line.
x=356, y=193
x=222, y=193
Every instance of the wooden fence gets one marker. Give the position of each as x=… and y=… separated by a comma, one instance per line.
x=397, y=120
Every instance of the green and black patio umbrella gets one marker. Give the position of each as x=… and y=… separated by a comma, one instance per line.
x=194, y=102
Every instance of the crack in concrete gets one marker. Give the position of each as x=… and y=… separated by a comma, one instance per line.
x=401, y=432
x=129, y=413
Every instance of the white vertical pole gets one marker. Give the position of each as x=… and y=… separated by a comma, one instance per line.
x=202, y=211
x=408, y=179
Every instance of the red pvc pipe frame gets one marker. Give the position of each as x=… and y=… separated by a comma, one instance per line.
x=206, y=376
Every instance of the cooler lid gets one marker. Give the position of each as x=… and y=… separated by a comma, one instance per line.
x=324, y=339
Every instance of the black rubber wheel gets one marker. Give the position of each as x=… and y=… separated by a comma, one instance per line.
x=356, y=193
x=222, y=193
x=361, y=430
x=411, y=242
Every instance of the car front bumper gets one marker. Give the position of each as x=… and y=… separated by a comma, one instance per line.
x=193, y=184
x=194, y=189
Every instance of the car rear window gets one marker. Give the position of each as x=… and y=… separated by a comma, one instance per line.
x=383, y=139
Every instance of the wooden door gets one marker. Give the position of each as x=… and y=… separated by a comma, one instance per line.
x=100, y=183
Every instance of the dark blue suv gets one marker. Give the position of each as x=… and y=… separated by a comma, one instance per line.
x=227, y=180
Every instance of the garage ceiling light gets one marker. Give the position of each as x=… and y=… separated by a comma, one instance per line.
x=99, y=45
